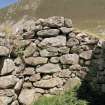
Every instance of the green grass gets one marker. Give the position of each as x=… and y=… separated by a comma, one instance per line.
x=68, y=98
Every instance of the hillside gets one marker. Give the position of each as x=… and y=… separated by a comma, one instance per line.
x=15, y=12
x=86, y=15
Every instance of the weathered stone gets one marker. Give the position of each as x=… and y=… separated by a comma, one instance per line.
x=48, y=33
x=28, y=96
x=30, y=50
x=18, y=61
x=72, y=42
x=7, y=81
x=4, y=51
x=65, y=73
x=75, y=67
x=18, y=85
x=54, y=22
x=69, y=59
x=21, y=43
x=29, y=71
x=54, y=60
x=57, y=41
x=64, y=50
x=4, y=100
x=68, y=22
x=46, y=77
x=28, y=35
x=33, y=61
x=27, y=85
x=86, y=55
x=65, y=30
x=35, y=77
x=49, y=83
x=7, y=96
x=48, y=68
x=72, y=35
x=15, y=103
x=56, y=91
x=8, y=67
x=39, y=90
x=72, y=83
x=45, y=53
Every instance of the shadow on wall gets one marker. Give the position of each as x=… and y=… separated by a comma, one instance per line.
x=93, y=86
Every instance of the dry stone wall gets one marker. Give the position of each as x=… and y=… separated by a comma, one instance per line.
x=46, y=58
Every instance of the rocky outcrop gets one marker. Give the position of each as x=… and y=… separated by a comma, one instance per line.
x=46, y=59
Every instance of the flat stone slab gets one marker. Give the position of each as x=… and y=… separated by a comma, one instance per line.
x=50, y=83
x=48, y=68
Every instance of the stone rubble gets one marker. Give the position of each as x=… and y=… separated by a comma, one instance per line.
x=49, y=58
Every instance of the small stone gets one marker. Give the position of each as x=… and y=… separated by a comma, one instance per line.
x=18, y=85
x=69, y=59
x=45, y=53
x=68, y=22
x=46, y=77
x=30, y=50
x=15, y=103
x=48, y=68
x=18, y=61
x=49, y=83
x=54, y=60
x=27, y=85
x=65, y=30
x=48, y=33
x=75, y=67
x=35, y=77
x=72, y=42
x=28, y=35
x=29, y=71
x=64, y=50
x=87, y=55
x=33, y=61
x=65, y=73
x=39, y=90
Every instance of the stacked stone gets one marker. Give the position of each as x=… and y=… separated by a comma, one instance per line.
x=46, y=59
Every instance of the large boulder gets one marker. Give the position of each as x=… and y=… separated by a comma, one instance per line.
x=4, y=51
x=8, y=67
x=58, y=41
x=50, y=83
x=48, y=68
x=48, y=33
x=69, y=59
x=28, y=96
x=33, y=61
x=7, y=81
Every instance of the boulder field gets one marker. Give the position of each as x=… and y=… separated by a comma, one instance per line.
x=47, y=58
